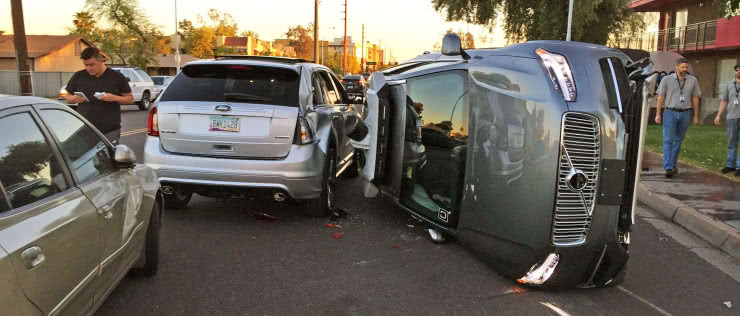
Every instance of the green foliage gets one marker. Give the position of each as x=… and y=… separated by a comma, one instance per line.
x=593, y=20
x=727, y=8
x=253, y=34
x=704, y=146
x=302, y=41
x=200, y=41
x=24, y=160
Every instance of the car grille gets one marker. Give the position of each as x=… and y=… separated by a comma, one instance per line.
x=580, y=149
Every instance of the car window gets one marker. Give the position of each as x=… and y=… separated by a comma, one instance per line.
x=235, y=83
x=86, y=151
x=438, y=99
x=317, y=91
x=158, y=80
x=126, y=73
x=327, y=88
x=143, y=75
x=29, y=170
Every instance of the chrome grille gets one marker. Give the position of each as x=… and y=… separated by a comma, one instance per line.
x=580, y=149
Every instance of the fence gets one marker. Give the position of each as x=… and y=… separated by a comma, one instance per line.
x=45, y=84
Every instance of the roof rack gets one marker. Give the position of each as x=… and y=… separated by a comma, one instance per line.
x=286, y=60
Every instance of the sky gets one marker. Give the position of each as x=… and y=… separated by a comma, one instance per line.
x=404, y=28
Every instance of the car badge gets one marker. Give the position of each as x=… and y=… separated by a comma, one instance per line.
x=576, y=180
x=223, y=108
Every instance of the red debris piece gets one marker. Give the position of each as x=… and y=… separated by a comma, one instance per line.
x=337, y=235
x=263, y=216
x=331, y=225
x=395, y=246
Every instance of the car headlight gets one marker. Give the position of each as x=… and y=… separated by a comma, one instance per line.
x=560, y=73
x=63, y=93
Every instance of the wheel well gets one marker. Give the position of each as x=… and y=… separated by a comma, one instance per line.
x=160, y=200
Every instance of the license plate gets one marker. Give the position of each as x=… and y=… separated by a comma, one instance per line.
x=224, y=124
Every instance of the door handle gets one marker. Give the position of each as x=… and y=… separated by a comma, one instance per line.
x=105, y=210
x=32, y=257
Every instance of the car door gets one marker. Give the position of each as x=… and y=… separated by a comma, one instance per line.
x=115, y=192
x=134, y=83
x=47, y=225
x=338, y=101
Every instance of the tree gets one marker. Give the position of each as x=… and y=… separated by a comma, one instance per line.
x=253, y=34
x=727, y=8
x=301, y=40
x=199, y=42
x=224, y=24
x=85, y=26
x=542, y=19
x=24, y=160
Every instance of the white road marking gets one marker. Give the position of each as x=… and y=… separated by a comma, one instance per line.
x=637, y=297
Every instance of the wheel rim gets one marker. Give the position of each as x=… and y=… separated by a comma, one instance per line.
x=145, y=101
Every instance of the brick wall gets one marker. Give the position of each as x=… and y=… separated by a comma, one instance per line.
x=705, y=68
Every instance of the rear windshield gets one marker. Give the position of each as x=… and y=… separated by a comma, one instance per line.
x=158, y=80
x=235, y=83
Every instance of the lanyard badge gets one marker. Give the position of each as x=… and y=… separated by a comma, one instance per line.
x=680, y=87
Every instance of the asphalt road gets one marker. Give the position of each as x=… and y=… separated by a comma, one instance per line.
x=218, y=258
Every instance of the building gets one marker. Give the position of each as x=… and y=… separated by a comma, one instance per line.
x=165, y=65
x=49, y=53
x=693, y=29
x=374, y=56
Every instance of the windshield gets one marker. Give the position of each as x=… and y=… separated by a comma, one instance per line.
x=240, y=83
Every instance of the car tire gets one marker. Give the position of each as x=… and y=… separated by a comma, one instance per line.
x=177, y=200
x=145, y=101
x=150, y=252
x=322, y=206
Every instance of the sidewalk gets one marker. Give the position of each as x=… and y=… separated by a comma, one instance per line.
x=706, y=204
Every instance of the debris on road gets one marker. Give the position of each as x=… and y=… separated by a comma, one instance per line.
x=728, y=304
x=395, y=246
x=337, y=235
x=663, y=239
x=410, y=225
x=337, y=213
x=333, y=225
x=263, y=216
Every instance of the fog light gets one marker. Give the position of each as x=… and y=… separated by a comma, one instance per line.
x=541, y=272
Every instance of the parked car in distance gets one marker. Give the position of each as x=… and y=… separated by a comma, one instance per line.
x=142, y=86
x=76, y=213
x=354, y=84
x=241, y=125
x=526, y=154
x=160, y=83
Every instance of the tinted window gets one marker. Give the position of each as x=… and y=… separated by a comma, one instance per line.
x=86, y=151
x=327, y=88
x=438, y=99
x=235, y=83
x=29, y=171
x=622, y=82
x=158, y=80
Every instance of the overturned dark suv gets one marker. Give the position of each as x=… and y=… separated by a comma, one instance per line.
x=528, y=154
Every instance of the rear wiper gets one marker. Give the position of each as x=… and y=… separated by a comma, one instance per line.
x=245, y=97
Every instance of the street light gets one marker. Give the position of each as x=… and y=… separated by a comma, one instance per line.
x=177, y=44
x=570, y=20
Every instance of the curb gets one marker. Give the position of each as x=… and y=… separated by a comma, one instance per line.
x=718, y=234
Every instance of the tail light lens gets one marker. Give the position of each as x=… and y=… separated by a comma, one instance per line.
x=153, y=125
x=560, y=73
x=62, y=93
x=303, y=133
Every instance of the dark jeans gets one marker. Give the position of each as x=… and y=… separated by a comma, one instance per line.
x=113, y=136
x=675, y=125
x=733, y=127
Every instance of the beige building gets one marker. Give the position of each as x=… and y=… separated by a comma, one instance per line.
x=49, y=53
x=165, y=65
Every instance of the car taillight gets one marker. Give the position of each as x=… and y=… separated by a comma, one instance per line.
x=153, y=125
x=560, y=73
x=63, y=93
x=303, y=133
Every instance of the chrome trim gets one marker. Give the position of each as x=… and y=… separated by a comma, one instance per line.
x=223, y=108
x=616, y=86
x=63, y=303
x=580, y=150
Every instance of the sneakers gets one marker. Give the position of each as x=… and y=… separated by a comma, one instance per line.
x=727, y=170
x=669, y=173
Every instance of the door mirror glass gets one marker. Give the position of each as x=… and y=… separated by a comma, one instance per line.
x=124, y=156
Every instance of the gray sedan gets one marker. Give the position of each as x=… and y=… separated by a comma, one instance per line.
x=76, y=213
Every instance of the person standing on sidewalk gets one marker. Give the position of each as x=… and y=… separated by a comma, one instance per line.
x=103, y=112
x=730, y=100
x=680, y=93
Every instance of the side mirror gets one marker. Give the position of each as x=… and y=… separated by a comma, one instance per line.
x=452, y=46
x=124, y=156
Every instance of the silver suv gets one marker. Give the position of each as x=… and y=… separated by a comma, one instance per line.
x=243, y=124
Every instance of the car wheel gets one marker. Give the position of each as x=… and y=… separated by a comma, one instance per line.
x=150, y=252
x=177, y=200
x=322, y=206
x=145, y=102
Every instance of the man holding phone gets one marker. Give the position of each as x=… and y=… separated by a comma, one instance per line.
x=103, y=112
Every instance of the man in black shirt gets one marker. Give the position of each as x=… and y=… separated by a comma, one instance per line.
x=103, y=111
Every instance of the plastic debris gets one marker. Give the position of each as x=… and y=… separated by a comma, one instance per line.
x=410, y=225
x=728, y=304
x=395, y=246
x=663, y=239
x=333, y=225
x=337, y=235
x=337, y=213
x=263, y=216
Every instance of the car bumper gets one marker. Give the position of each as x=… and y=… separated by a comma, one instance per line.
x=299, y=174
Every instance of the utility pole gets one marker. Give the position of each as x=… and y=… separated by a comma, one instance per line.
x=21, y=50
x=344, y=56
x=177, y=43
x=316, y=32
x=362, y=61
x=570, y=20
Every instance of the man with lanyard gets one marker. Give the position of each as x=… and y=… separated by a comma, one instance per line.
x=104, y=109
x=680, y=93
x=731, y=96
